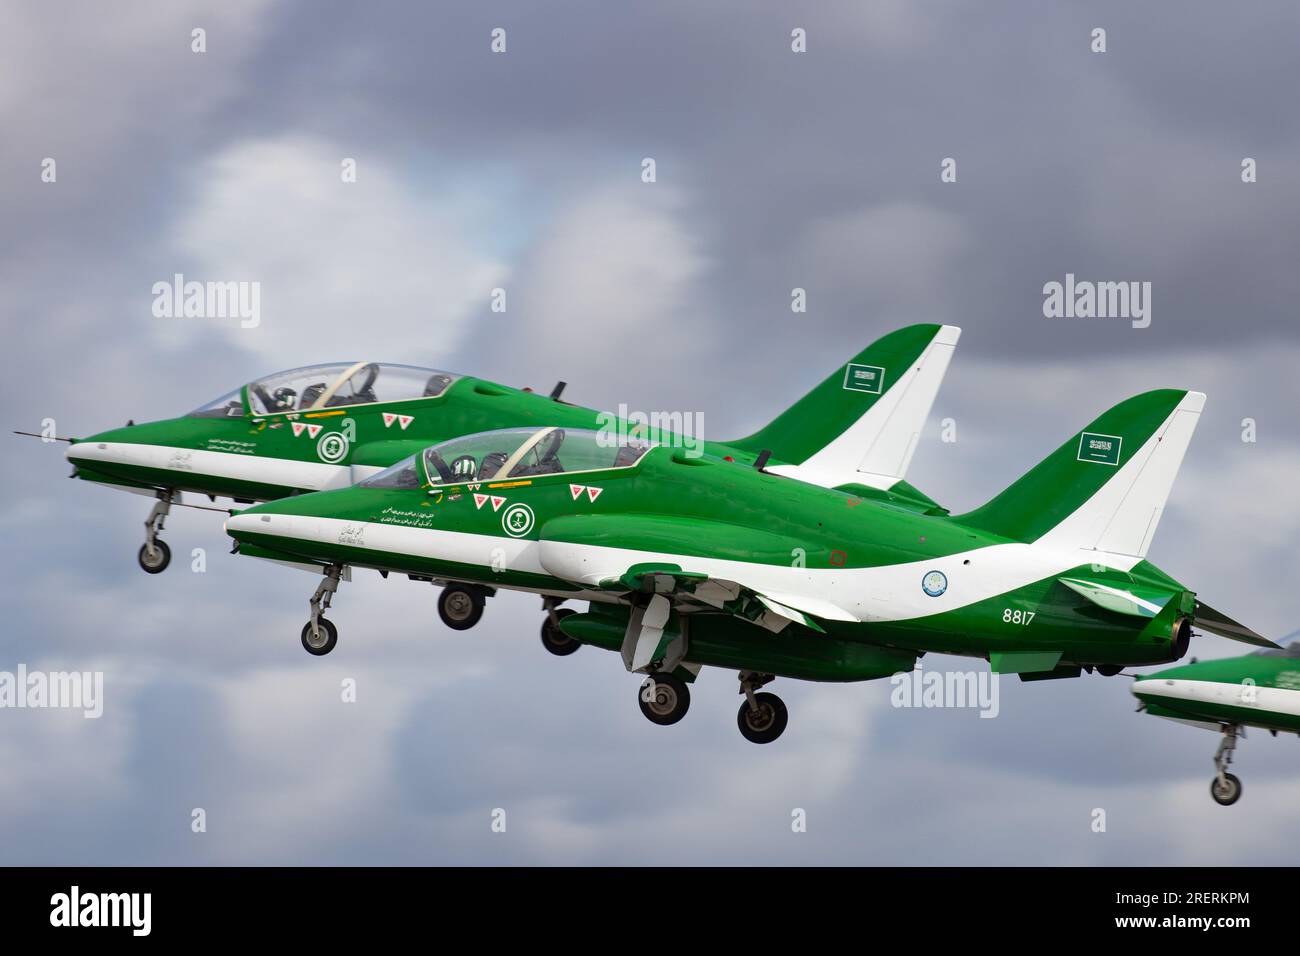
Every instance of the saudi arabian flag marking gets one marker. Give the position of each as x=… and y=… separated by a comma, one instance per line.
x=1103, y=449
x=864, y=378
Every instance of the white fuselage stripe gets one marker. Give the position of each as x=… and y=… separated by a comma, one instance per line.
x=197, y=463
x=889, y=593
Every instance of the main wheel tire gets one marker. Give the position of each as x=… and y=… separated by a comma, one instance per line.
x=664, y=699
x=1227, y=794
x=460, y=607
x=1108, y=670
x=155, y=562
x=322, y=643
x=767, y=723
x=554, y=639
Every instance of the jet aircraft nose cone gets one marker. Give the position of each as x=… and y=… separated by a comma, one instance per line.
x=94, y=448
x=257, y=520
x=240, y=522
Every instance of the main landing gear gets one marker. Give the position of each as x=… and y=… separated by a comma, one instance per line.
x=554, y=639
x=762, y=717
x=664, y=698
x=154, y=554
x=461, y=606
x=319, y=635
x=1225, y=788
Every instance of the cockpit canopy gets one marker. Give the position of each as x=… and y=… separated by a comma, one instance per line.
x=330, y=386
x=510, y=453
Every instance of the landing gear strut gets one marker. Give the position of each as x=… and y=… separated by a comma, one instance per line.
x=1225, y=788
x=154, y=554
x=319, y=635
x=762, y=717
x=554, y=639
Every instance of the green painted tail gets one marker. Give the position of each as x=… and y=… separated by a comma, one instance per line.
x=1105, y=488
x=864, y=420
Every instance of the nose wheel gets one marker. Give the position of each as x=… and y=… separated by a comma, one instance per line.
x=319, y=636
x=320, y=641
x=461, y=606
x=154, y=554
x=1225, y=788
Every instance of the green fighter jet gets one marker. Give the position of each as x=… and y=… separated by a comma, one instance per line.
x=696, y=560
x=327, y=426
x=1259, y=690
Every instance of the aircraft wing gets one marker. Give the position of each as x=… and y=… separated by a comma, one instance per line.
x=671, y=588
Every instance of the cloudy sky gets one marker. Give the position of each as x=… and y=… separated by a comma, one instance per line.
x=522, y=170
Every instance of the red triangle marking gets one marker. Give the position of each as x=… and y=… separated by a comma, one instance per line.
x=497, y=503
x=479, y=499
x=593, y=493
x=576, y=490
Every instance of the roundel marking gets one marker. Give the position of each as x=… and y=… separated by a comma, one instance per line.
x=934, y=583
x=332, y=447
x=517, y=520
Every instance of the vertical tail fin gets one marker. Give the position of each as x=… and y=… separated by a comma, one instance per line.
x=862, y=423
x=1106, y=487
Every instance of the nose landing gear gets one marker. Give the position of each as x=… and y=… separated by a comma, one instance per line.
x=1225, y=788
x=154, y=554
x=319, y=635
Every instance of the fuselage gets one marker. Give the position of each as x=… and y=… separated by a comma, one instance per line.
x=251, y=454
x=869, y=569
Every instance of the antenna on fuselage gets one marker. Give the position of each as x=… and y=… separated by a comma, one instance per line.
x=558, y=391
x=761, y=461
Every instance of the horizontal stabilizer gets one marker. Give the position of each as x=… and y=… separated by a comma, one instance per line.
x=1208, y=619
x=1136, y=602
